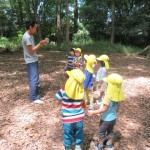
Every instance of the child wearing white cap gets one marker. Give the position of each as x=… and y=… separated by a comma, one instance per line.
x=109, y=109
x=101, y=73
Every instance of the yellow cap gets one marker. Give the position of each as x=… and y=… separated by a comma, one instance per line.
x=114, y=89
x=104, y=58
x=91, y=59
x=74, y=86
x=78, y=49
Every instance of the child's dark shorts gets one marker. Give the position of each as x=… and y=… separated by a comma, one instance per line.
x=106, y=129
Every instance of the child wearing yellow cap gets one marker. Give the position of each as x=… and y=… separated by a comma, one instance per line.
x=71, y=98
x=101, y=73
x=89, y=79
x=79, y=62
x=109, y=109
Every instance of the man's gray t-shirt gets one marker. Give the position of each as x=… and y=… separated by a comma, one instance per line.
x=27, y=40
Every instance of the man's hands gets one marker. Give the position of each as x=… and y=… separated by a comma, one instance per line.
x=42, y=42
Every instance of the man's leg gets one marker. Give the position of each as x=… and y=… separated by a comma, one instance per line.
x=33, y=75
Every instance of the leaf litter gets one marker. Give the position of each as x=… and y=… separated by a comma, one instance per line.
x=27, y=126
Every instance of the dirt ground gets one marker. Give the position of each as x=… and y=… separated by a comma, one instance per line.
x=28, y=126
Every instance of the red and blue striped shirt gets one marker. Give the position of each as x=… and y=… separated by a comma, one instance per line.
x=72, y=110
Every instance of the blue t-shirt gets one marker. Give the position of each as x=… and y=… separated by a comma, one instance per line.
x=111, y=113
x=89, y=79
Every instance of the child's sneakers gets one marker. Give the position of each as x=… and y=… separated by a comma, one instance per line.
x=100, y=147
x=96, y=145
x=78, y=147
x=109, y=145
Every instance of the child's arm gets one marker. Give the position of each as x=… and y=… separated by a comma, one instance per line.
x=58, y=97
x=99, y=111
x=103, y=107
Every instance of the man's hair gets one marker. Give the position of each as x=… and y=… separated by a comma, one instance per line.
x=30, y=23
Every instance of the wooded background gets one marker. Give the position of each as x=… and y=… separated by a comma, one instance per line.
x=119, y=21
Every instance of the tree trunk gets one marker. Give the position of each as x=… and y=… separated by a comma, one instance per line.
x=59, y=34
x=28, y=10
x=145, y=52
x=35, y=6
x=113, y=22
x=20, y=19
x=75, y=16
x=67, y=26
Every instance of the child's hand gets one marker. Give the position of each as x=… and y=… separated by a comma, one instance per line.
x=74, y=63
x=90, y=112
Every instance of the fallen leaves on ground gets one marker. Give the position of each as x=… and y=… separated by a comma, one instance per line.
x=28, y=126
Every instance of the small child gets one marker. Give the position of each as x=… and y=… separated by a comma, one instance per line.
x=109, y=109
x=101, y=73
x=78, y=63
x=89, y=79
x=71, y=58
x=72, y=112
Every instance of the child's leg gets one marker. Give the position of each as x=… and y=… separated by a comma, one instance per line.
x=110, y=134
x=86, y=97
x=102, y=134
x=78, y=128
x=68, y=134
x=90, y=96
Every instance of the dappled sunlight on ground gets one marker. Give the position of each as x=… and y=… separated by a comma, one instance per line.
x=28, y=126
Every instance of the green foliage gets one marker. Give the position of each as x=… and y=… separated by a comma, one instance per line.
x=12, y=43
x=82, y=36
x=3, y=41
x=105, y=47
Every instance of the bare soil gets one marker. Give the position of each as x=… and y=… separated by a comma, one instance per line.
x=28, y=126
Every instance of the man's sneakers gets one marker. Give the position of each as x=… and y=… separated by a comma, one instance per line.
x=78, y=147
x=38, y=101
x=68, y=148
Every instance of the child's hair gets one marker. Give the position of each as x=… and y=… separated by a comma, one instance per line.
x=72, y=49
x=102, y=63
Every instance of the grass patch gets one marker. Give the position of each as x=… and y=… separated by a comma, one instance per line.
x=92, y=47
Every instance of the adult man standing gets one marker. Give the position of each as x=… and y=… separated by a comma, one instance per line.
x=31, y=59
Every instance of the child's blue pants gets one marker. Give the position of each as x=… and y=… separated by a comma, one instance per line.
x=73, y=131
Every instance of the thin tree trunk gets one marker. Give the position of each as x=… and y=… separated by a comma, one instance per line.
x=35, y=6
x=59, y=34
x=28, y=10
x=75, y=16
x=67, y=26
x=20, y=13
x=113, y=22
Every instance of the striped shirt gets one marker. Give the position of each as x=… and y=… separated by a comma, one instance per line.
x=72, y=110
x=70, y=59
